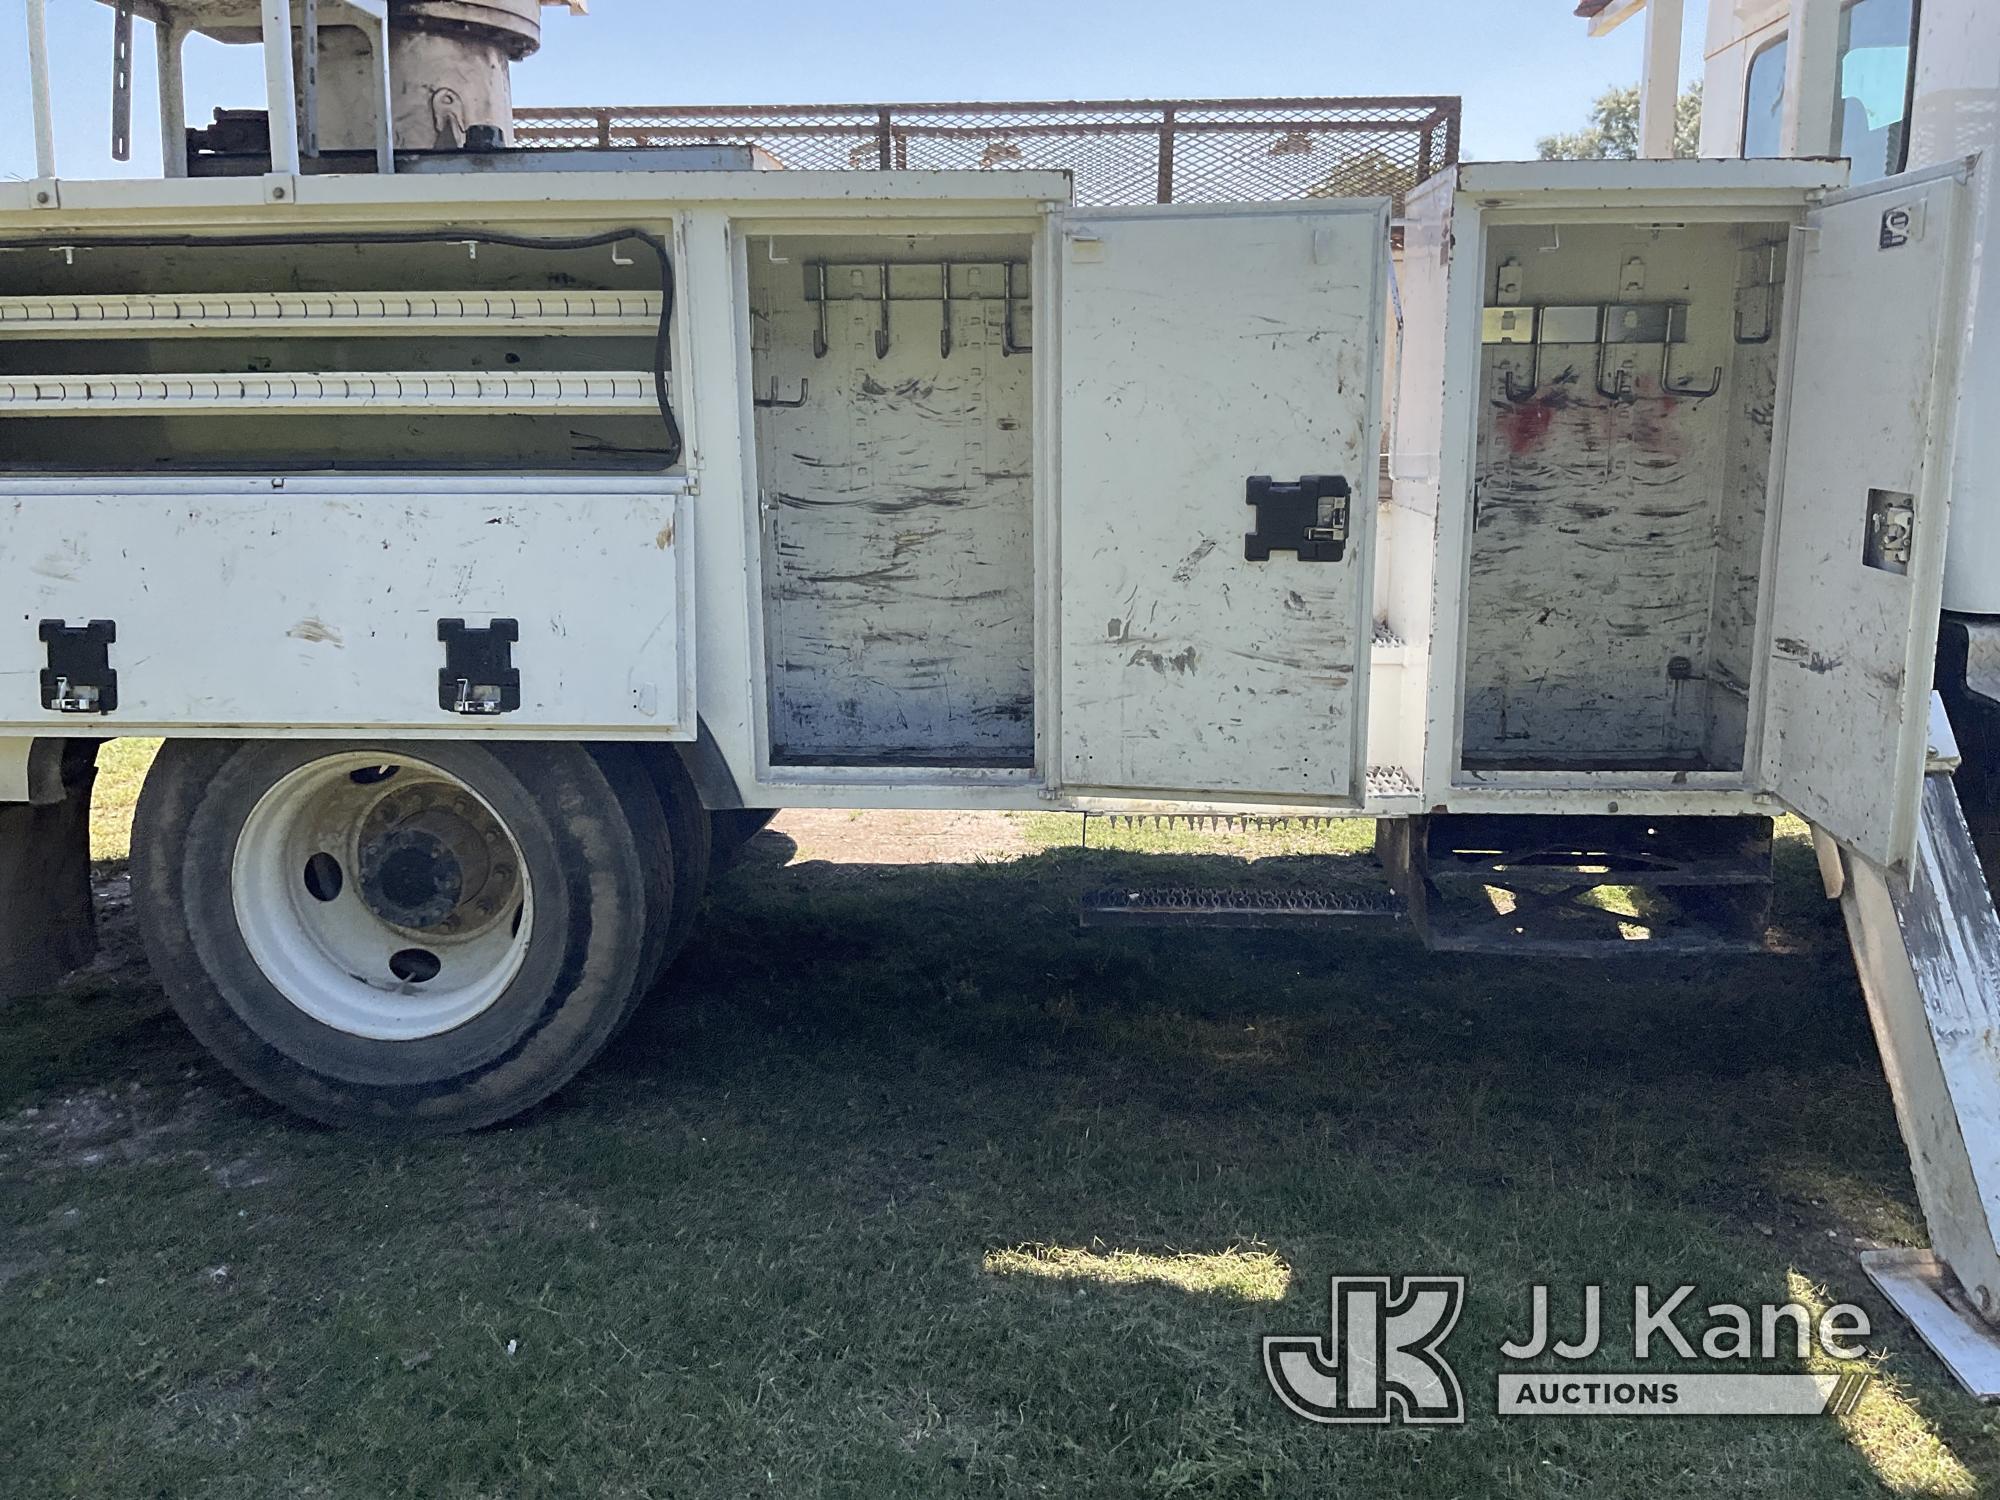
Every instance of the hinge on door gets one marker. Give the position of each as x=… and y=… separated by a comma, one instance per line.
x=479, y=675
x=79, y=678
x=1297, y=517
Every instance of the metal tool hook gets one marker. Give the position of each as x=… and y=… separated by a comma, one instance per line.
x=1008, y=344
x=882, y=330
x=772, y=398
x=819, y=331
x=1518, y=394
x=944, y=311
x=1671, y=388
x=1621, y=389
x=1769, y=288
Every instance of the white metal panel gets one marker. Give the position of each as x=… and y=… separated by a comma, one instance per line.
x=542, y=197
x=1199, y=348
x=1407, y=545
x=319, y=609
x=1869, y=409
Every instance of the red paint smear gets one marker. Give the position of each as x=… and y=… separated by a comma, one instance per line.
x=1526, y=425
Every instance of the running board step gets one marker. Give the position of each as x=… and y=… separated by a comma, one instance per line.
x=1194, y=906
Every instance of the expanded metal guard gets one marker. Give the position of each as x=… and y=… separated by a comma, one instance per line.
x=1136, y=151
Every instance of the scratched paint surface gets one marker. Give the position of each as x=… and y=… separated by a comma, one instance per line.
x=1196, y=353
x=1604, y=621
x=898, y=518
x=1849, y=670
x=302, y=610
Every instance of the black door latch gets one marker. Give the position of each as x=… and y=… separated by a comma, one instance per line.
x=1289, y=517
x=479, y=675
x=78, y=678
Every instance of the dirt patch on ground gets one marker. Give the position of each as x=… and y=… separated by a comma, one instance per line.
x=211, y=1414
x=100, y=1126
x=841, y=837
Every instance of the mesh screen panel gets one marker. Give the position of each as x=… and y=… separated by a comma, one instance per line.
x=1137, y=151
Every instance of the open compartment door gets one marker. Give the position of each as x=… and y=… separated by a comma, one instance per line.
x=1209, y=358
x=1863, y=495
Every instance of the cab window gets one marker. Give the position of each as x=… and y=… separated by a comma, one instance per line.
x=1764, y=101
x=1871, y=124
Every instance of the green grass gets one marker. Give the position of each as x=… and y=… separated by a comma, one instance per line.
x=121, y=771
x=919, y=1191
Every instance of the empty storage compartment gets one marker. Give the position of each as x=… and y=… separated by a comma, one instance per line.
x=893, y=400
x=1626, y=381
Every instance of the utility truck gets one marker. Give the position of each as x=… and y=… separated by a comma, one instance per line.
x=496, y=529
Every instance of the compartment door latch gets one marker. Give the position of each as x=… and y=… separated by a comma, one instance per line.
x=78, y=678
x=1892, y=524
x=479, y=675
x=1307, y=516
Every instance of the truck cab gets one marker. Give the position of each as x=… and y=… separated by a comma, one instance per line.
x=1891, y=86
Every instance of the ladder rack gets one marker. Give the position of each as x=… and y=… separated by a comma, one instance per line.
x=603, y=392
x=327, y=314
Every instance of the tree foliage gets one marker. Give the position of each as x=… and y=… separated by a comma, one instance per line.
x=1613, y=132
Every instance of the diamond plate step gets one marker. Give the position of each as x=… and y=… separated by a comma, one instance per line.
x=1195, y=906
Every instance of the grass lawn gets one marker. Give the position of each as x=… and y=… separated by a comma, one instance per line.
x=919, y=1191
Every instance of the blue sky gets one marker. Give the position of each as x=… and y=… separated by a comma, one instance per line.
x=1524, y=67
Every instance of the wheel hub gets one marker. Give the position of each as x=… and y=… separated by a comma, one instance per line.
x=428, y=862
x=411, y=878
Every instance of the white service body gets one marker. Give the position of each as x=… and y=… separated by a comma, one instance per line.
x=961, y=518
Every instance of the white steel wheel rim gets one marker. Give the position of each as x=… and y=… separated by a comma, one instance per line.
x=382, y=896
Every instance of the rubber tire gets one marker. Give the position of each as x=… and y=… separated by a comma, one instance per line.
x=578, y=980
x=624, y=767
x=690, y=833
x=734, y=828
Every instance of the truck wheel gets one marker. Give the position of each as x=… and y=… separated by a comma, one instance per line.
x=736, y=827
x=421, y=938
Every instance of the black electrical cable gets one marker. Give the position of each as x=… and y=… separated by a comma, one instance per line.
x=662, y=342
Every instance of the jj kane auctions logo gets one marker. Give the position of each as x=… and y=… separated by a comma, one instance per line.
x=1382, y=1359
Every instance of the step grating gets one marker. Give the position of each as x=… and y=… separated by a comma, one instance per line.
x=1197, y=906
